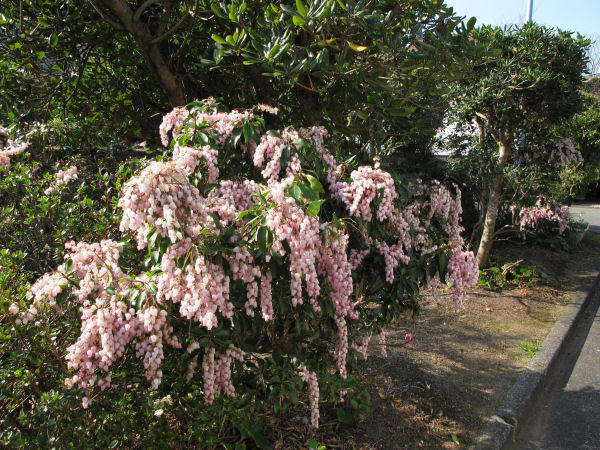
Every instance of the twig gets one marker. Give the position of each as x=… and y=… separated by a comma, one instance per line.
x=141, y=9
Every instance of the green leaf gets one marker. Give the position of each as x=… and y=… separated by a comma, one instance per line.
x=471, y=23
x=217, y=11
x=356, y=47
x=152, y=288
x=308, y=193
x=295, y=192
x=264, y=237
x=362, y=115
x=314, y=207
x=288, y=10
x=312, y=444
x=315, y=184
x=299, y=21
x=455, y=439
x=218, y=39
x=301, y=8
x=216, y=218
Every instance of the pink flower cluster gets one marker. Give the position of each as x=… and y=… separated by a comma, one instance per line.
x=565, y=153
x=266, y=295
x=172, y=121
x=62, y=177
x=543, y=213
x=201, y=288
x=302, y=232
x=231, y=197
x=341, y=345
x=9, y=147
x=357, y=257
x=242, y=268
x=270, y=149
x=310, y=378
x=391, y=255
x=363, y=347
x=187, y=159
x=333, y=261
x=161, y=197
x=108, y=325
x=463, y=272
x=221, y=122
x=447, y=210
x=217, y=372
x=358, y=195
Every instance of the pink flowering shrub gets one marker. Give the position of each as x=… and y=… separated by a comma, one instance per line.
x=545, y=216
x=266, y=263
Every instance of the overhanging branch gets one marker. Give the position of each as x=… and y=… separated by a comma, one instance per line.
x=104, y=17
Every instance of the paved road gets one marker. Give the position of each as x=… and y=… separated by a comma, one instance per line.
x=566, y=413
x=588, y=212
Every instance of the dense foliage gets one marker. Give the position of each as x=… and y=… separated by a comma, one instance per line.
x=372, y=71
x=267, y=280
x=192, y=285
x=515, y=97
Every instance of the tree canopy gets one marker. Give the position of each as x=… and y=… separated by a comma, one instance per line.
x=529, y=83
x=369, y=70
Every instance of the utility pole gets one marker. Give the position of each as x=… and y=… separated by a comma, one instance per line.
x=529, y=10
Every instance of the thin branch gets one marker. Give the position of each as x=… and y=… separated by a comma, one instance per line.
x=165, y=18
x=79, y=76
x=141, y=9
x=483, y=116
x=108, y=20
x=170, y=31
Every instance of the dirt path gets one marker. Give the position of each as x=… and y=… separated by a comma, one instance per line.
x=438, y=394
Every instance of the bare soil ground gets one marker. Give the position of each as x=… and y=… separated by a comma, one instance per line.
x=439, y=394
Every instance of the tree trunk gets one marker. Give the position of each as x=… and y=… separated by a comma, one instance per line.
x=308, y=100
x=263, y=95
x=493, y=204
x=150, y=51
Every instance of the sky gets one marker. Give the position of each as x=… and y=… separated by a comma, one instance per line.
x=581, y=16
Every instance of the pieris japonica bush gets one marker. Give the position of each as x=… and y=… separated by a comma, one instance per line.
x=546, y=216
x=257, y=259
x=548, y=223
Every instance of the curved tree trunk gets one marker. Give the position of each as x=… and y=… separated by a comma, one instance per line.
x=131, y=23
x=493, y=204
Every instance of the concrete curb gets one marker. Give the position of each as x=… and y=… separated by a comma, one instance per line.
x=502, y=426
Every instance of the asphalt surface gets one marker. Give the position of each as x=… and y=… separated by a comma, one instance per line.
x=565, y=413
x=589, y=212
